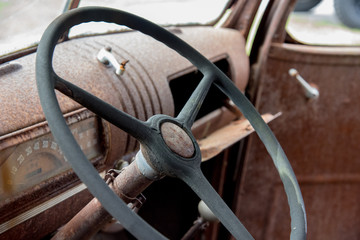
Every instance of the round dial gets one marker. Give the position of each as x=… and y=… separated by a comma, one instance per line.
x=32, y=162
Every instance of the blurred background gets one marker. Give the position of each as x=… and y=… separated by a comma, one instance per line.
x=322, y=24
x=22, y=22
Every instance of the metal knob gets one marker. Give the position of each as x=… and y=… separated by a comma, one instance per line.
x=206, y=213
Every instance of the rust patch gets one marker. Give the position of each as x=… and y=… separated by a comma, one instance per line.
x=127, y=185
x=177, y=140
x=227, y=136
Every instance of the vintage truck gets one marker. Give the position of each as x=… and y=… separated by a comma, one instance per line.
x=145, y=131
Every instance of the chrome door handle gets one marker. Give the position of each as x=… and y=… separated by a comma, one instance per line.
x=310, y=92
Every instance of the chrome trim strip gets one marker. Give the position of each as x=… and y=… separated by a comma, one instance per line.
x=40, y=208
x=43, y=207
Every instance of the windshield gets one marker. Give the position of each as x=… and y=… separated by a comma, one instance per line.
x=24, y=21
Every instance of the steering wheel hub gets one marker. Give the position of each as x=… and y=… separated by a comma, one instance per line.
x=177, y=140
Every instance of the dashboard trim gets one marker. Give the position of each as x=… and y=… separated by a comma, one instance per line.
x=42, y=207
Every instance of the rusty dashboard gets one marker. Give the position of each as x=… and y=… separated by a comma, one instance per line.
x=36, y=180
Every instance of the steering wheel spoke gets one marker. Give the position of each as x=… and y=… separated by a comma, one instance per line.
x=198, y=183
x=122, y=120
x=282, y=164
x=189, y=112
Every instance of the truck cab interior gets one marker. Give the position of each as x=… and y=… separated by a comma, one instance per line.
x=115, y=127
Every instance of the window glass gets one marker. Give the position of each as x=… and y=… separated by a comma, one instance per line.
x=167, y=12
x=163, y=12
x=23, y=22
x=324, y=24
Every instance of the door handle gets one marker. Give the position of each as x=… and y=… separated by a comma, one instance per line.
x=310, y=91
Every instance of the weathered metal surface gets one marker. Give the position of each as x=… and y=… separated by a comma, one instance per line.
x=223, y=138
x=127, y=185
x=177, y=139
x=261, y=46
x=320, y=138
x=46, y=222
x=41, y=128
x=343, y=56
x=209, y=123
x=242, y=16
x=142, y=91
x=145, y=83
x=43, y=191
x=280, y=35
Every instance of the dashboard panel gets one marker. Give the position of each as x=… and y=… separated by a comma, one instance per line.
x=27, y=164
x=32, y=167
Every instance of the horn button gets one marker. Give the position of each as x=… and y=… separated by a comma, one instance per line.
x=177, y=140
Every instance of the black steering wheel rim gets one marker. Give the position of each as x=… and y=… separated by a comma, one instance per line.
x=48, y=81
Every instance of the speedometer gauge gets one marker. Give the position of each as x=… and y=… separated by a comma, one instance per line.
x=32, y=162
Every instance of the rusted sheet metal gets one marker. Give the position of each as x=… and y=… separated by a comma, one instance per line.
x=177, y=140
x=209, y=123
x=242, y=15
x=43, y=191
x=321, y=139
x=48, y=221
x=127, y=185
x=317, y=55
x=266, y=32
x=143, y=89
x=31, y=132
x=72, y=4
x=223, y=138
x=21, y=211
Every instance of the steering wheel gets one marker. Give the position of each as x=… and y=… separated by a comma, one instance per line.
x=177, y=156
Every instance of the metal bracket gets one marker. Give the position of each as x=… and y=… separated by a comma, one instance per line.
x=135, y=203
x=111, y=175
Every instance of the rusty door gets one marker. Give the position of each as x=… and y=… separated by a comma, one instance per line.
x=320, y=136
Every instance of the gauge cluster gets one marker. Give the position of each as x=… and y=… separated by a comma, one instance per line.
x=28, y=164
x=34, y=170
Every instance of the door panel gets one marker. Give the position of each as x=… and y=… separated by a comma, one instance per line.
x=320, y=137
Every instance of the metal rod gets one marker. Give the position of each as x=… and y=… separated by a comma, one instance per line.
x=127, y=185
